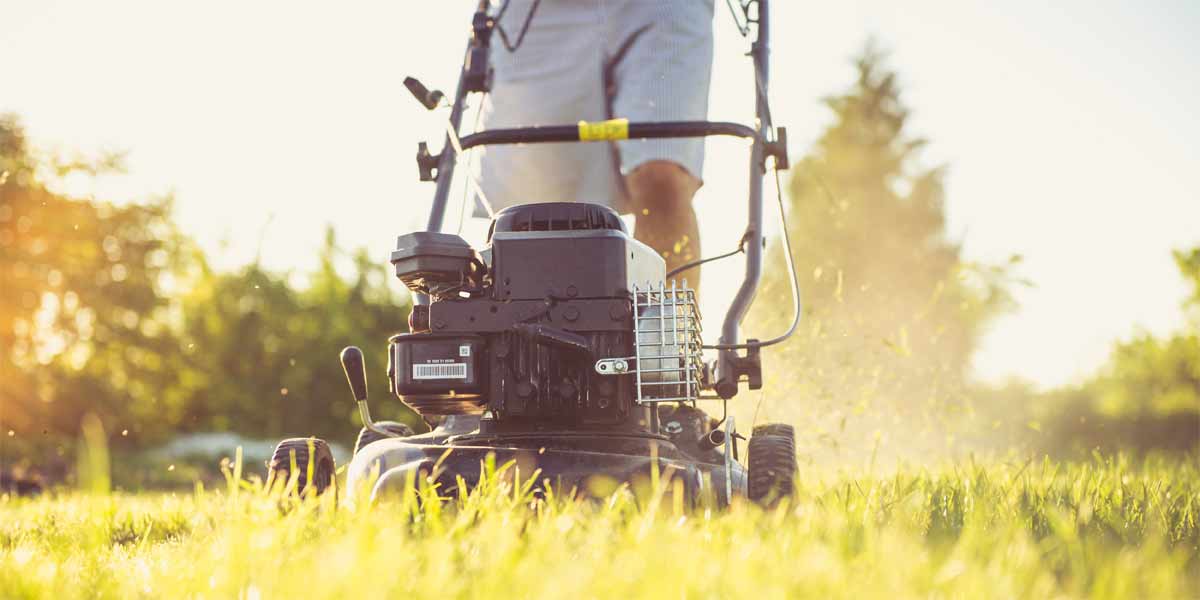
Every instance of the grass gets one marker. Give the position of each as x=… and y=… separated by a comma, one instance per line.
x=1110, y=528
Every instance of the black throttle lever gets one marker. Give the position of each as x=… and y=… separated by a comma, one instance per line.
x=555, y=338
x=429, y=99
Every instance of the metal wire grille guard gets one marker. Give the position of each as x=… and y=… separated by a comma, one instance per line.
x=667, y=361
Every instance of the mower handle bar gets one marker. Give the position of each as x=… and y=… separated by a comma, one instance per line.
x=635, y=130
x=731, y=367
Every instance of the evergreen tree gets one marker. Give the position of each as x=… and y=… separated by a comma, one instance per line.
x=892, y=311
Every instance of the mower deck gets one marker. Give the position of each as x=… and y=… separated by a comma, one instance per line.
x=578, y=463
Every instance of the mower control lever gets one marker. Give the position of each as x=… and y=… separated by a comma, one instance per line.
x=428, y=99
x=555, y=338
x=477, y=72
x=427, y=163
x=356, y=374
x=356, y=371
x=743, y=368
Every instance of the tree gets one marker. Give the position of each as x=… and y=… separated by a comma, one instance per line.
x=1188, y=262
x=270, y=349
x=892, y=311
x=83, y=312
x=110, y=310
x=1147, y=396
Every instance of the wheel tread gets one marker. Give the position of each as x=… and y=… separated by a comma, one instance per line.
x=772, y=463
x=323, y=470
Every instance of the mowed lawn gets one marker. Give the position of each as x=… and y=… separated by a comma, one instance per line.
x=1110, y=528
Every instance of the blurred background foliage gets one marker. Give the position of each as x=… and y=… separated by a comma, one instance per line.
x=111, y=310
x=893, y=314
x=1147, y=395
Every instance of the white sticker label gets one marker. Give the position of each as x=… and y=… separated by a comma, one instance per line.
x=464, y=350
x=440, y=371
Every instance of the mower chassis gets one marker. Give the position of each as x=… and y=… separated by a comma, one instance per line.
x=578, y=463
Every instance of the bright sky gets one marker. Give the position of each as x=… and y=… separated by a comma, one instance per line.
x=1069, y=127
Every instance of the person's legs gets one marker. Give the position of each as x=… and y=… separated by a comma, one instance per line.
x=660, y=196
x=553, y=78
x=659, y=68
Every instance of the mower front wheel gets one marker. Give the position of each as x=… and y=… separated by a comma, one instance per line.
x=772, y=464
x=304, y=451
x=366, y=436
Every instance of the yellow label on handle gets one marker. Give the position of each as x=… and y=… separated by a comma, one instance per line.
x=612, y=129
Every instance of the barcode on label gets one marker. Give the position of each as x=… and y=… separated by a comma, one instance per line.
x=440, y=371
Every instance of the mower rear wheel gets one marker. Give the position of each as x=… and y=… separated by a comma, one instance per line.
x=366, y=436
x=323, y=467
x=783, y=429
x=771, y=464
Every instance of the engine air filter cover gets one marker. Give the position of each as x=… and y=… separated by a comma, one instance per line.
x=433, y=263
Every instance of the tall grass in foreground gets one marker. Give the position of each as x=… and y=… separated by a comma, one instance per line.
x=1109, y=528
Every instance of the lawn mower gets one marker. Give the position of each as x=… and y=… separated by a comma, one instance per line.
x=563, y=345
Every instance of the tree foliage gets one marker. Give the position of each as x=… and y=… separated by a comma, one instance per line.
x=271, y=348
x=893, y=314
x=84, y=303
x=1146, y=396
x=1188, y=262
x=892, y=310
x=109, y=310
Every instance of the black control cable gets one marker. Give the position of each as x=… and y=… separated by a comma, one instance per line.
x=795, y=285
x=508, y=45
x=695, y=263
x=742, y=27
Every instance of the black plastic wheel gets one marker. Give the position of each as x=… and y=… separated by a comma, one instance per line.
x=323, y=467
x=771, y=464
x=783, y=429
x=366, y=436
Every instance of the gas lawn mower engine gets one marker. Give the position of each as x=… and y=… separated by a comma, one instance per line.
x=539, y=331
x=559, y=347
x=562, y=346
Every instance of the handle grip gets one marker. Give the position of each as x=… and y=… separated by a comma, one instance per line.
x=356, y=371
x=428, y=99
